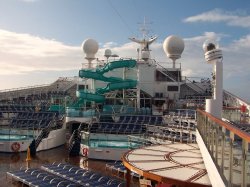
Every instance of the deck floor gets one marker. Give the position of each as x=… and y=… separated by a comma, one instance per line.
x=10, y=162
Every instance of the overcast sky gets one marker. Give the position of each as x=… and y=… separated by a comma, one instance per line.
x=40, y=40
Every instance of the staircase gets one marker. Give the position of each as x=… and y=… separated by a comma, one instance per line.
x=167, y=73
x=75, y=142
x=194, y=86
x=43, y=134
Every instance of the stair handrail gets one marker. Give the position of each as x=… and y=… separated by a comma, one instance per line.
x=44, y=132
x=169, y=76
x=74, y=136
x=237, y=98
x=195, y=85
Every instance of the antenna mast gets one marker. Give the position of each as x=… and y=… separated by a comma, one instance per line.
x=145, y=41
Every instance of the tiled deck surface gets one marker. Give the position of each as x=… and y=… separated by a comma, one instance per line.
x=177, y=161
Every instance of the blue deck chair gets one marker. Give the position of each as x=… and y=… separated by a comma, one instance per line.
x=140, y=119
x=92, y=180
x=137, y=129
x=115, y=183
x=122, y=128
x=133, y=119
x=152, y=120
x=121, y=119
x=127, y=119
x=102, y=181
x=108, y=127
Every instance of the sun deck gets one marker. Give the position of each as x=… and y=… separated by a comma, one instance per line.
x=173, y=163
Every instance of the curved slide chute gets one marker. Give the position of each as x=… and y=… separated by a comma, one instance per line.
x=90, y=96
x=115, y=83
x=117, y=86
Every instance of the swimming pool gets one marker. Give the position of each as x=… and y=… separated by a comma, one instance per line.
x=95, y=143
x=14, y=137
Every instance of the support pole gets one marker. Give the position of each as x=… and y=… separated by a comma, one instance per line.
x=128, y=177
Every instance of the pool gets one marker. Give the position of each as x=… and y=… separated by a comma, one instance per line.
x=14, y=137
x=94, y=143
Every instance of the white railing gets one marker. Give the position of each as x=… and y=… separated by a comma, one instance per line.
x=235, y=100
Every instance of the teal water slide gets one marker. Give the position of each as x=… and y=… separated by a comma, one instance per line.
x=115, y=83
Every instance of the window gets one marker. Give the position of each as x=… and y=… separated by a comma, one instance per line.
x=82, y=87
x=173, y=88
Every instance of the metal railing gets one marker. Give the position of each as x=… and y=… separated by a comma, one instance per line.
x=229, y=148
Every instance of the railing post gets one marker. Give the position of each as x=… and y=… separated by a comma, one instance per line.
x=207, y=137
x=244, y=163
x=128, y=177
x=217, y=136
x=212, y=138
x=231, y=160
x=223, y=149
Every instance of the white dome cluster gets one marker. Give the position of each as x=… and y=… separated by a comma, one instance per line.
x=107, y=53
x=90, y=48
x=173, y=47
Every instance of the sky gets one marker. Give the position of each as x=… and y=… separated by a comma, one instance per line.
x=40, y=40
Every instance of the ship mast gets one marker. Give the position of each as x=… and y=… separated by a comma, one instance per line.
x=144, y=52
x=145, y=41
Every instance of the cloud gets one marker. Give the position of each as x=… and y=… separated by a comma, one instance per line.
x=236, y=57
x=236, y=18
x=29, y=1
x=109, y=45
x=23, y=53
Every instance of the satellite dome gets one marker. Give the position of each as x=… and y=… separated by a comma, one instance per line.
x=145, y=55
x=90, y=48
x=210, y=45
x=212, y=51
x=173, y=47
x=107, y=53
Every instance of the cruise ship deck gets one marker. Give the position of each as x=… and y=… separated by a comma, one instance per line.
x=167, y=130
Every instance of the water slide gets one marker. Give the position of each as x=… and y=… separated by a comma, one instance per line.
x=114, y=82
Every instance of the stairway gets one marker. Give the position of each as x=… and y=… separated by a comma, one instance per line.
x=75, y=142
x=44, y=133
x=168, y=74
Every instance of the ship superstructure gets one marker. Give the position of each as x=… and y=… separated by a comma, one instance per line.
x=110, y=110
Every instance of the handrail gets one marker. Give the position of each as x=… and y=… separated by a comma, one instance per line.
x=243, y=101
x=24, y=88
x=166, y=73
x=195, y=85
x=227, y=146
x=38, y=86
x=228, y=126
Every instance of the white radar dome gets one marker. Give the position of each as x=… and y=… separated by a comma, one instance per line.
x=145, y=55
x=173, y=47
x=210, y=45
x=90, y=48
x=107, y=53
x=211, y=50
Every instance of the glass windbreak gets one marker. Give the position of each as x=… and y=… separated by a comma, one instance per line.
x=227, y=157
x=220, y=147
x=229, y=148
x=237, y=161
x=247, y=164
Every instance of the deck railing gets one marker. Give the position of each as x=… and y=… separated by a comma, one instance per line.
x=228, y=147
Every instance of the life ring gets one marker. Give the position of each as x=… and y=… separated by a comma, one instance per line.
x=15, y=147
x=85, y=152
